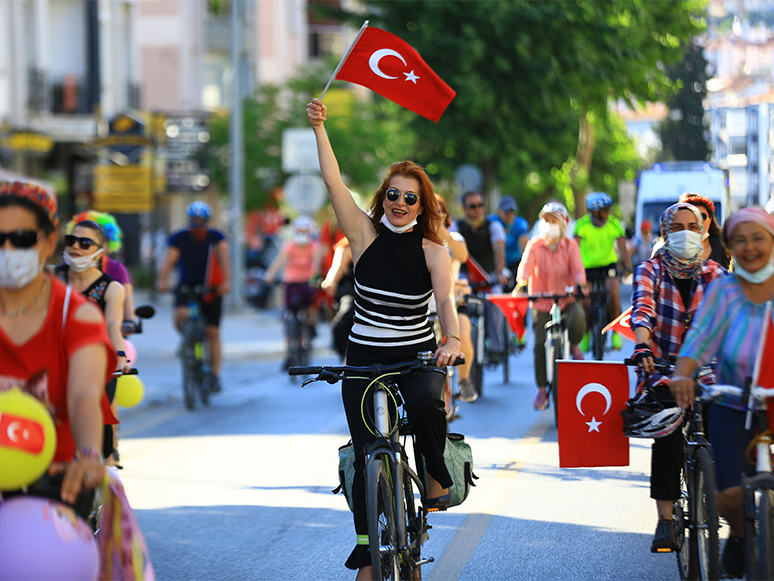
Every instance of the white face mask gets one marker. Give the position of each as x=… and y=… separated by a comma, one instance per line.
x=684, y=244
x=80, y=263
x=302, y=237
x=756, y=277
x=548, y=230
x=398, y=229
x=18, y=267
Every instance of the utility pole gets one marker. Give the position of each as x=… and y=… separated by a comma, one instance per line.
x=236, y=181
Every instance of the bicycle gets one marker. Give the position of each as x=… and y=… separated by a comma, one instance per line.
x=476, y=306
x=598, y=310
x=397, y=527
x=695, y=514
x=194, y=353
x=450, y=391
x=758, y=490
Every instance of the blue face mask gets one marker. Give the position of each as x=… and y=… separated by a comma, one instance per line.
x=756, y=277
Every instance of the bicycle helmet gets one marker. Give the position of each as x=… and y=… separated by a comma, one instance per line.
x=557, y=209
x=598, y=201
x=647, y=417
x=199, y=210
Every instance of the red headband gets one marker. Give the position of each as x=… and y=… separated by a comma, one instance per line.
x=41, y=197
x=694, y=198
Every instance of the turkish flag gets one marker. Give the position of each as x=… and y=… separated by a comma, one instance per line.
x=764, y=368
x=477, y=276
x=213, y=276
x=514, y=309
x=622, y=325
x=387, y=65
x=21, y=433
x=591, y=397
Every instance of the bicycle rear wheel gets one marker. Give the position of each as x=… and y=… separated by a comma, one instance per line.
x=703, y=540
x=382, y=528
x=415, y=532
x=507, y=343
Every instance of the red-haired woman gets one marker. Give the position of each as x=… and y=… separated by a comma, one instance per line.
x=712, y=239
x=400, y=263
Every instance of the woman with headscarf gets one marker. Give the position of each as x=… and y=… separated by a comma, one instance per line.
x=729, y=326
x=666, y=293
x=712, y=243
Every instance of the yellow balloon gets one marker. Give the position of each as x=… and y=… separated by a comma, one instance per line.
x=27, y=439
x=129, y=391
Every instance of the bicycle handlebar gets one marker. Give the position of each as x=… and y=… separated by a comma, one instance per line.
x=553, y=296
x=334, y=373
x=132, y=371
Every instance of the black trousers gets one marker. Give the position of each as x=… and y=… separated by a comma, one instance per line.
x=666, y=458
x=422, y=400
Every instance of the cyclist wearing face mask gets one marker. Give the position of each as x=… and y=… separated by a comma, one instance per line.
x=667, y=292
x=602, y=243
x=189, y=250
x=301, y=258
x=551, y=263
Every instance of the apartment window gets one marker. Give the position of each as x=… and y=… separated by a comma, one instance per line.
x=737, y=122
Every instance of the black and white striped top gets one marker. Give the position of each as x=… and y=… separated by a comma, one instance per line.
x=392, y=293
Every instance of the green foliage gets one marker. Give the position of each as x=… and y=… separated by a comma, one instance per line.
x=683, y=134
x=367, y=137
x=525, y=72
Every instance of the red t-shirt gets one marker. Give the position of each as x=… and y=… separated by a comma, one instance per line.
x=40, y=366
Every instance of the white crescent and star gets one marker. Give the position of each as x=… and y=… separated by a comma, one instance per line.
x=13, y=432
x=593, y=388
x=378, y=55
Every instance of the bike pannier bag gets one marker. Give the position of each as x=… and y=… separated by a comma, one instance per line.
x=346, y=472
x=458, y=458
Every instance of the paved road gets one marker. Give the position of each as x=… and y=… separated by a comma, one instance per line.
x=241, y=490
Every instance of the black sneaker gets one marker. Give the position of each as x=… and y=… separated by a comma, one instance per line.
x=732, y=561
x=467, y=391
x=215, y=384
x=665, y=539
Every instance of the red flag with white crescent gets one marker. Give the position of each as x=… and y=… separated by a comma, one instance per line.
x=21, y=433
x=622, y=325
x=514, y=309
x=389, y=66
x=591, y=397
x=764, y=367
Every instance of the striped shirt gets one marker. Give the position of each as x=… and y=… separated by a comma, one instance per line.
x=730, y=326
x=392, y=293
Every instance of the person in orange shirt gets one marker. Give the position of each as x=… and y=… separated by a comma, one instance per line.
x=551, y=263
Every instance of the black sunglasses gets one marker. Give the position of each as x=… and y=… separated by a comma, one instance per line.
x=704, y=216
x=20, y=238
x=83, y=242
x=474, y=206
x=410, y=197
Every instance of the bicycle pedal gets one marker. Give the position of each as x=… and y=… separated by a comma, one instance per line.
x=661, y=550
x=437, y=509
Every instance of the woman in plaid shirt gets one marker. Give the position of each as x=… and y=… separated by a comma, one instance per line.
x=675, y=277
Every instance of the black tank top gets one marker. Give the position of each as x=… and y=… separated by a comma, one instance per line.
x=95, y=291
x=392, y=292
x=479, y=244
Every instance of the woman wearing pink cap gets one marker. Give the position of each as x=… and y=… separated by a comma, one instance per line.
x=729, y=325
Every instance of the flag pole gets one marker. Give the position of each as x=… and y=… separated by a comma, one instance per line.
x=346, y=54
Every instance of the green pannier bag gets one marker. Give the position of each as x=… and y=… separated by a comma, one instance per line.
x=457, y=456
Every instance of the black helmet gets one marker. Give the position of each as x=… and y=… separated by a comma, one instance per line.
x=646, y=416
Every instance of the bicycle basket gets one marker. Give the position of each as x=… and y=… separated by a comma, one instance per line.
x=458, y=458
x=346, y=472
x=646, y=416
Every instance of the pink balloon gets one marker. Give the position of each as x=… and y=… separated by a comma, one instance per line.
x=131, y=352
x=43, y=539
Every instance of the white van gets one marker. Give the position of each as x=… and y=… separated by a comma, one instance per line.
x=661, y=186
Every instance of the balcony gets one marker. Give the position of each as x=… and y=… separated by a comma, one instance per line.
x=66, y=94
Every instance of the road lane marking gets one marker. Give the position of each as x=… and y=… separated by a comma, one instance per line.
x=449, y=567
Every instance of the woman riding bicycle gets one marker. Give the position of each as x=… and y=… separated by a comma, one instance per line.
x=301, y=258
x=53, y=342
x=399, y=263
x=551, y=263
x=666, y=293
x=730, y=325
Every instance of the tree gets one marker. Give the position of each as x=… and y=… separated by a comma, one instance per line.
x=533, y=77
x=368, y=136
x=683, y=134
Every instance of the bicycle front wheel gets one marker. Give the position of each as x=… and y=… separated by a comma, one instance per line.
x=477, y=365
x=704, y=544
x=382, y=528
x=598, y=316
x=555, y=354
x=764, y=535
x=190, y=366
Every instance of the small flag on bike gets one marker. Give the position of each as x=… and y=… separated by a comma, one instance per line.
x=477, y=276
x=514, y=309
x=622, y=325
x=213, y=276
x=389, y=66
x=763, y=374
x=591, y=397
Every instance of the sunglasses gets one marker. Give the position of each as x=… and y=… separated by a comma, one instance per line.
x=474, y=206
x=704, y=216
x=409, y=197
x=20, y=238
x=83, y=242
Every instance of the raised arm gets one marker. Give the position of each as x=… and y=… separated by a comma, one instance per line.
x=354, y=222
